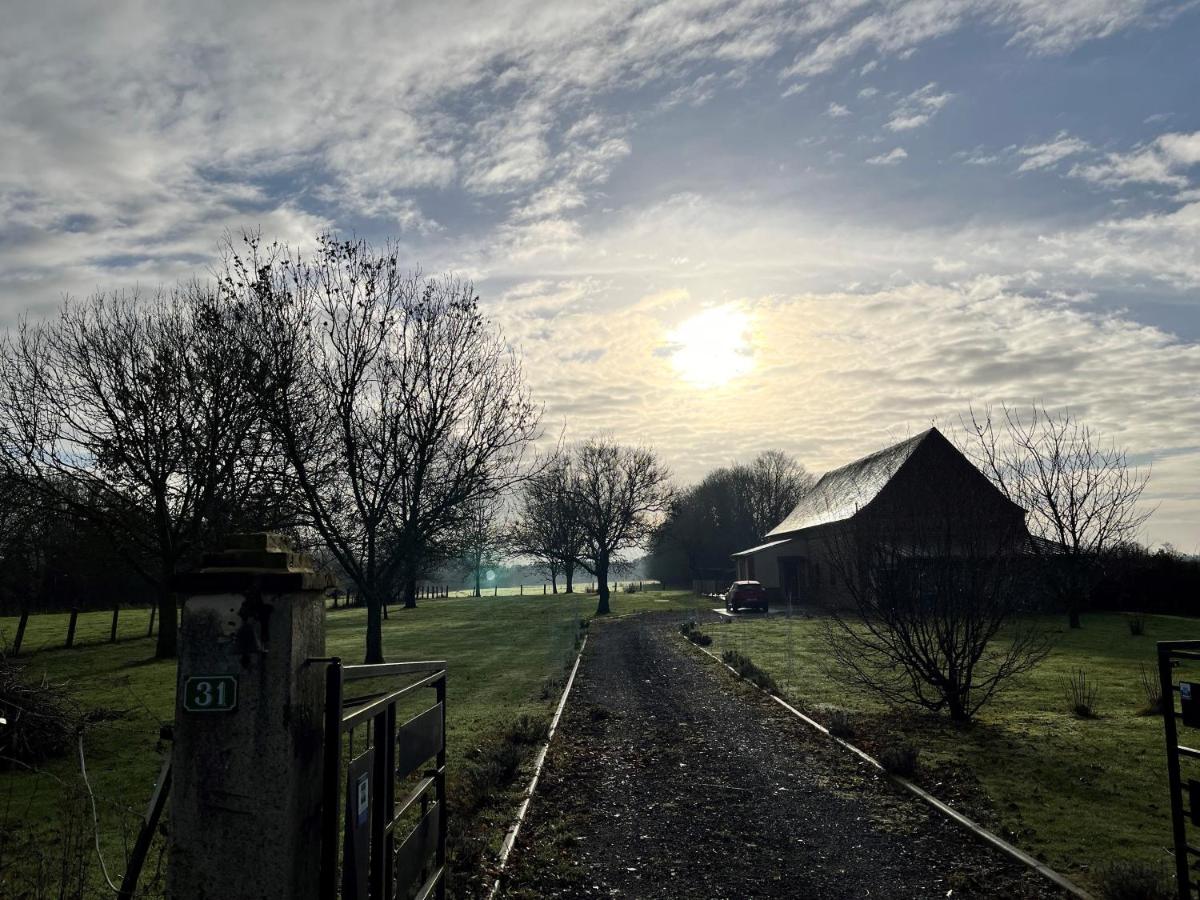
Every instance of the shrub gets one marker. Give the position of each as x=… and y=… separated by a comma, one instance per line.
x=690, y=631
x=630, y=588
x=900, y=759
x=528, y=729
x=840, y=724
x=743, y=665
x=1081, y=694
x=1152, y=688
x=42, y=719
x=1137, y=624
x=1126, y=880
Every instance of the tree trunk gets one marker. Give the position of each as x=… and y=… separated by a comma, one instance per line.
x=553, y=583
x=167, y=645
x=602, y=608
x=410, y=593
x=374, y=627
x=569, y=575
x=1073, y=617
x=477, y=591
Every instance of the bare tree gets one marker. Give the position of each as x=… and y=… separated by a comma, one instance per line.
x=620, y=492
x=546, y=524
x=775, y=483
x=481, y=540
x=730, y=509
x=134, y=414
x=1080, y=490
x=398, y=405
x=931, y=610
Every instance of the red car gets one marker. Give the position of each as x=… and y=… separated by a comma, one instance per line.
x=745, y=595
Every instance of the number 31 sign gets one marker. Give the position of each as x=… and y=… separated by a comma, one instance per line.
x=210, y=693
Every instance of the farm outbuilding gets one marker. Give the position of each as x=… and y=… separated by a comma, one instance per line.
x=917, y=485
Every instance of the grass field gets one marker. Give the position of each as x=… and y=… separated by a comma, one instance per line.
x=1077, y=793
x=506, y=657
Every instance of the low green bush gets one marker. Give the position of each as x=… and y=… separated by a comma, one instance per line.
x=745, y=667
x=1126, y=880
x=691, y=631
x=900, y=759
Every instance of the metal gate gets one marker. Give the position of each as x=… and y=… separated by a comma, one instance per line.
x=1174, y=655
x=367, y=754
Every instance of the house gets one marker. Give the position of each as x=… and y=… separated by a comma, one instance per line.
x=909, y=488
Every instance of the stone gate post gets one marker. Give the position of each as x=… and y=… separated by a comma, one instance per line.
x=245, y=803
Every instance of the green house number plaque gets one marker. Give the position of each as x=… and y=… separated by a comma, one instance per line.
x=210, y=693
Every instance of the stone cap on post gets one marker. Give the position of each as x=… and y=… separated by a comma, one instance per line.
x=261, y=561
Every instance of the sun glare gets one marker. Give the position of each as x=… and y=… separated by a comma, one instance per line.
x=713, y=347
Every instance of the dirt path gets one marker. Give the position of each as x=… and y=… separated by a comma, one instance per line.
x=670, y=779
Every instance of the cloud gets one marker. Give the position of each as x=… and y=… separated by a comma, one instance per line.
x=867, y=93
x=896, y=30
x=891, y=158
x=1164, y=161
x=837, y=111
x=1043, y=156
x=875, y=363
x=918, y=108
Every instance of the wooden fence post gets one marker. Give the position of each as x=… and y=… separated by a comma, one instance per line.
x=16, y=647
x=543, y=587
x=522, y=589
x=71, y=627
x=112, y=634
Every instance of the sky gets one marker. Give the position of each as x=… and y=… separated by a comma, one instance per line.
x=709, y=227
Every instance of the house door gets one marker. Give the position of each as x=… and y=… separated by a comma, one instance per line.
x=789, y=577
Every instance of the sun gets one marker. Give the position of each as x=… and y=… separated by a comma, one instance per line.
x=713, y=347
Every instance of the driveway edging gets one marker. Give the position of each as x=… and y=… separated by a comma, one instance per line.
x=945, y=809
x=510, y=839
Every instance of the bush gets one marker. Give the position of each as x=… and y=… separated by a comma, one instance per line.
x=1126, y=880
x=841, y=725
x=630, y=588
x=690, y=631
x=1152, y=688
x=528, y=729
x=1137, y=624
x=1081, y=694
x=42, y=719
x=900, y=759
x=743, y=665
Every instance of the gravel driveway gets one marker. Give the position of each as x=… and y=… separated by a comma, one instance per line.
x=669, y=778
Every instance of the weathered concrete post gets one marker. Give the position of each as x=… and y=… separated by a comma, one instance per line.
x=245, y=805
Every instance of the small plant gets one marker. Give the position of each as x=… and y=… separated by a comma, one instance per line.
x=900, y=759
x=1152, y=688
x=744, y=666
x=690, y=631
x=1137, y=624
x=840, y=724
x=630, y=588
x=1081, y=694
x=1127, y=880
x=528, y=729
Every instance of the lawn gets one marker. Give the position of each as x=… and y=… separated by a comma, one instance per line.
x=1076, y=793
x=506, y=657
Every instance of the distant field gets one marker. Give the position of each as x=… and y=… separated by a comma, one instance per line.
x=1076, y=793
x=504, y=654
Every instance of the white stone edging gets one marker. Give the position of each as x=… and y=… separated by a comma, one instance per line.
x=511, y=838
x=954, y=815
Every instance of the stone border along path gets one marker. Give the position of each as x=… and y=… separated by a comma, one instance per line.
x=668, y=780
x=511, y=838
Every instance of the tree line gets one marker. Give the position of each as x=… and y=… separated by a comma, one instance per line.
x=372, y=412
